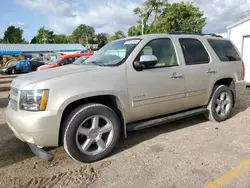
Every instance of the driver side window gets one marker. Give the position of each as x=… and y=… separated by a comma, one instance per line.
x=164, y=50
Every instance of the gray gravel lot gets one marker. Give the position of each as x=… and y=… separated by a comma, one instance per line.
x=191, y=153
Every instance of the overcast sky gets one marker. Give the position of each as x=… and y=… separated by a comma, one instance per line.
x=63, y=16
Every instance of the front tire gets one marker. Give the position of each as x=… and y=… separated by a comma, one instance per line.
x=91, y=132
x=220, y=105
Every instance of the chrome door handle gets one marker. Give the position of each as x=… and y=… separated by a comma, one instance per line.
x=211, y=71
x=176, y=75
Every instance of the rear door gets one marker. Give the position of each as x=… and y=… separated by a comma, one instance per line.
x=200, y=71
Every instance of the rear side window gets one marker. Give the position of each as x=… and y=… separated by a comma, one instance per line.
x=224, y=50
x=194, y=51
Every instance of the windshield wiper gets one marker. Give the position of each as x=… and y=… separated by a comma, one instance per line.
x=96, y=63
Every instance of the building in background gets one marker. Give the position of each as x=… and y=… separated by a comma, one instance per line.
x=239, y=34
x=29, y=51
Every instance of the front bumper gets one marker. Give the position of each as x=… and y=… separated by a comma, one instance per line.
x=37, y=128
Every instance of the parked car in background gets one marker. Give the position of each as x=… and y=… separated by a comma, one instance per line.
x=23, y=66
x=79, y=61
x=8, y=69
x=64, y=60
x=44, y=60
x=26, y=66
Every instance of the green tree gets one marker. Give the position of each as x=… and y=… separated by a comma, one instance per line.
x=45, y=36
x=180, y=17
x=151, y=8
x=61, y=39
x=25, y=42
x=158, y=16
x=33, y=40
x=137, y=30
x=102, y=39
x=13, y=35
x=84, y=34
x=70, y=39
x=134, y=31
x=118, y=35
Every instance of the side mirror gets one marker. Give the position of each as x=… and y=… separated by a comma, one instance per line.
x=146, y=61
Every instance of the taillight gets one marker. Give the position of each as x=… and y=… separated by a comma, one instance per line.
x=243, y=71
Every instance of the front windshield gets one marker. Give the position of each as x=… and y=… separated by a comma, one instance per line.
x=55, y=61
x=79, y=61
x=113, y=53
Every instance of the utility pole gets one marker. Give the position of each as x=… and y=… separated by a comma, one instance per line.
x=142, y=26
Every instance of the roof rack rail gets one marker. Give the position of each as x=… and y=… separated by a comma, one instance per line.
x=186, y=33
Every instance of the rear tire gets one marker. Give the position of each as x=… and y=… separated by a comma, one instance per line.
x=91, y=132
x=220, y=105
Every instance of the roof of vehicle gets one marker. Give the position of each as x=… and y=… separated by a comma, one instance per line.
x=183, y=34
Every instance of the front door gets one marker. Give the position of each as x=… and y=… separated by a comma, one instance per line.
x=159, y=89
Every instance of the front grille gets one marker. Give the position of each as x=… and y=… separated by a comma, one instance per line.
x=14, y=91
x=13, y=104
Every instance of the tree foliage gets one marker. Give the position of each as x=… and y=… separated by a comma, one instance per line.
x=101, y=39
x=83, y=34
x=118, y=35
x=33, y=40
x=158, y=16
x=61, y=39
x=134, y=31
x=13, y=35
x=45, y=36
x=137, y=30
x=180, y=17
x=150, y=9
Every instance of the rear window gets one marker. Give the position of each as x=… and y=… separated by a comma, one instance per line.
x=194, y=51
x=224, y=50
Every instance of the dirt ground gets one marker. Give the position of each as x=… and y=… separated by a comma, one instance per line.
x=192, y=152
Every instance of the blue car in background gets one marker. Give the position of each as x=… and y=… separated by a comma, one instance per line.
x=26, y=66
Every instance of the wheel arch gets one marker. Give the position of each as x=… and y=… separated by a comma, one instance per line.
x=109, y=100
x=230, y=83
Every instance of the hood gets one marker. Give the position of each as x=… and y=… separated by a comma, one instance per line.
x=38, y=76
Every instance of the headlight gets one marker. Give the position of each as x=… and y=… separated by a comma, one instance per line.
x=34, y=100
x=4, y=69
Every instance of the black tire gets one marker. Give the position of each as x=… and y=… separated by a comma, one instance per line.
x=73, y=122
x=13, y=71
x=212, y=114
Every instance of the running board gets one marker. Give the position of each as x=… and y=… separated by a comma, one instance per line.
x=154, y=122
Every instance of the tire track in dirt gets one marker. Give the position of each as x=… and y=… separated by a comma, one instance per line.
x=80, y=177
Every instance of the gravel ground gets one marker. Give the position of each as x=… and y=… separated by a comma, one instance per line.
x=191, y=153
